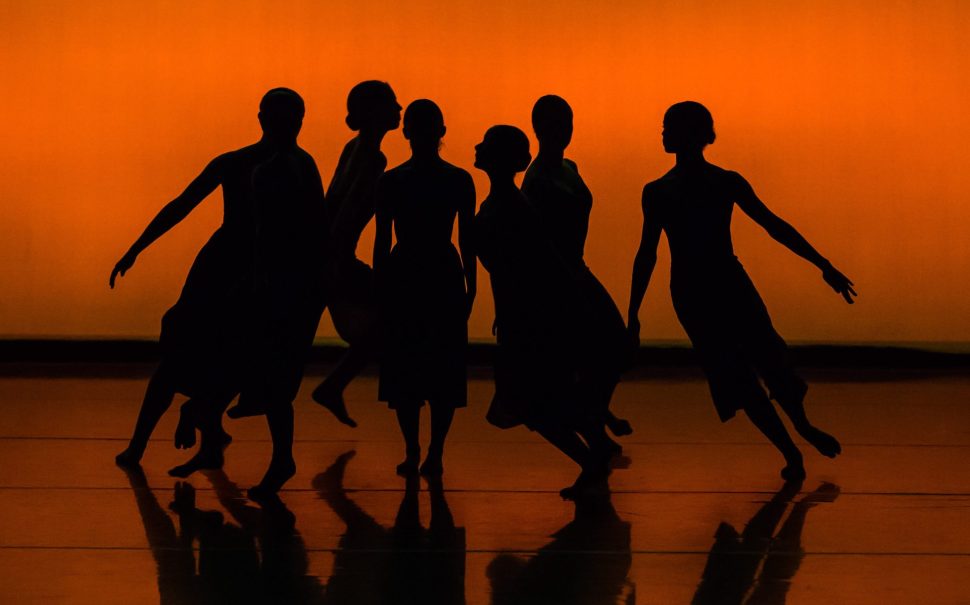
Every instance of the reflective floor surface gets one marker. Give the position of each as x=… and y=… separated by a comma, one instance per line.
x=698, y=514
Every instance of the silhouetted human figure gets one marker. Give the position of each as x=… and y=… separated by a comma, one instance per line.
x=534, y=291
x=714, y=298
x=757, y=566
x=372, y=111
x=426, y=289
x=290, y=291
x=402, y=564
x=204, y=335
x=553, y=185
x=587, y=563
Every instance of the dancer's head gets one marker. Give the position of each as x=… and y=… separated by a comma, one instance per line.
x=552, y=120
x=688, y=127
x=503, y=152
x=424, y=125
x=371, y=105
x=281, y=114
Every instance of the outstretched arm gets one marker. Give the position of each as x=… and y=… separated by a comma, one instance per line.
x=466, y=217
x=171, y=215
x=643, y=264
x=788, y=236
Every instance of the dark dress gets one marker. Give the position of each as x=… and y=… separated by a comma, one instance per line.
x=533, y=292
x=425, y=329
x=205, y=336
x=291, y=239
x=715, y=300
x=564, y=204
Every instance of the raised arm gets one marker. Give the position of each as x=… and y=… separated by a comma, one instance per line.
x=789, y=237
x=171, y=215
x=469, y=261
x=643, y=264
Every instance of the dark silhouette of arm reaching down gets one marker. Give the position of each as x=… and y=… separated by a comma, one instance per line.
x=643, y=264
x=171, y=214
x=788, y=236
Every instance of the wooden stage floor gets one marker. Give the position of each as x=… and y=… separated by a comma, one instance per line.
x=698, y=516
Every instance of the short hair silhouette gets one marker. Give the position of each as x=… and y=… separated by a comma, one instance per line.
x=688, y=125
x=423, y=120
x=509, y=147
x=552, y=118
x=366, y=99
x=281, y=111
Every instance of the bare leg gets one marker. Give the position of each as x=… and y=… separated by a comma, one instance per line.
x=441, y=417
x=330, y=392
x=409, y=419
x=826, y=444
x=158, y=397
x=208, y=418
x=764, y=416
x=281, y=466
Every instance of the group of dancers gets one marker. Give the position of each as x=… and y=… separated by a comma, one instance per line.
x=286, y=251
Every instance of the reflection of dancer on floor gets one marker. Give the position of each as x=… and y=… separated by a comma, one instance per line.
x=535, y=294
x=717, y=304
x=204, y=334
x=557, y=191
x=372, y=111
x=405, y=563
x=587, y=563
x=426, y=288
x=757, y=566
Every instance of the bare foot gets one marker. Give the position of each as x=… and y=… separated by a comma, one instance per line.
x=129, y=458
x=432, y=467
x=204, y=460
x=185, y=430
x=826, y=444
x=409, y=468
x=276, y=475
x=245, y=410
x=591, y=480
x=619, y=426
x=334, y=402
x=793, y=473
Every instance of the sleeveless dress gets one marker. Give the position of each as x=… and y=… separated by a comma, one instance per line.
x=425, y=332
x=716, y=302
x=533, y=292
x=564, y=203
x=205, y=336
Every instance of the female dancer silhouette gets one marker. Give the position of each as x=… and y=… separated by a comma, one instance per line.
x=204, y=334
x=534, y=292
x=372, y=111
x=553, y=185
x=717, y=304
x=426, y=289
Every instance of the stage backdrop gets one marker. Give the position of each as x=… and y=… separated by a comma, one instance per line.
x=850, y=119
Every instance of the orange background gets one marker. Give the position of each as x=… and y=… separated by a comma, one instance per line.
x=850, y=121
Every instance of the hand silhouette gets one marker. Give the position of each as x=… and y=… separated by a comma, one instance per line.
x=839, y=282
x=121, y=267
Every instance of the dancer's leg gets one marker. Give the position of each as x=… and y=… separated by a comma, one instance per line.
x=441, y=416
x=764, y=416
x=330, y=392
x=282, y=466
x=207, y=415
x=158, y=397
x=409, y=420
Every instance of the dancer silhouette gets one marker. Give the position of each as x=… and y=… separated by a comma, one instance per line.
x=557, y=191
x=715, y=301
x=587, y=563
x=426, y=289
x=534, y=291
x=372, y=111
x=204, y=335
x=406, y=563
x=757, y=565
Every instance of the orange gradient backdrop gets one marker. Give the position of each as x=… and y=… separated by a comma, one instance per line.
x=850, y=121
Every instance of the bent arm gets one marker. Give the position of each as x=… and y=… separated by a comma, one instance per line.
x=644, y=262
x=172, y=214
x=788, y=236
x=469, y=261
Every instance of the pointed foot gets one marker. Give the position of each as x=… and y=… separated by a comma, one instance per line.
x=334, y=403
